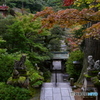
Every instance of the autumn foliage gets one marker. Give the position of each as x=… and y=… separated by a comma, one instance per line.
x=70, y=17
x=93, y=31
x=72, y=43
x=68, y=2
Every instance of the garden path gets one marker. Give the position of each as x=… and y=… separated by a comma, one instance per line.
x=61, y=91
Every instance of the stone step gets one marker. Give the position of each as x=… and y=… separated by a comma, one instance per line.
x=61, y=92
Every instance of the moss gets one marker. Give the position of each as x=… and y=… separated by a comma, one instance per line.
x=11, y=80
x=96, y=81
x=19, y=80
x=93, y=73
x=87, y=76
x=28, y=73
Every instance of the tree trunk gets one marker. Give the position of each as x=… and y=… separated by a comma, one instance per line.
x=91, y=47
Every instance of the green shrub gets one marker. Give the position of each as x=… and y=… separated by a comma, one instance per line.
x=7, y=64
x=8, y=92
x=35, y=78
x=38, y=83
x=96, y=81
x=34, y=75
x=46, y=72
x=70, y=67
x=46, y=75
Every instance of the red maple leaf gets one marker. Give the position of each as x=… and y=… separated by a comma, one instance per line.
x=68, y=2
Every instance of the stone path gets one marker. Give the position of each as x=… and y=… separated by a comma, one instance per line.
x=61, y=92
x=59, y=77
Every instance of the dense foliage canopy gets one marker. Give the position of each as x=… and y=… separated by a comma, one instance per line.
x=21, y=35
x=69, y=17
